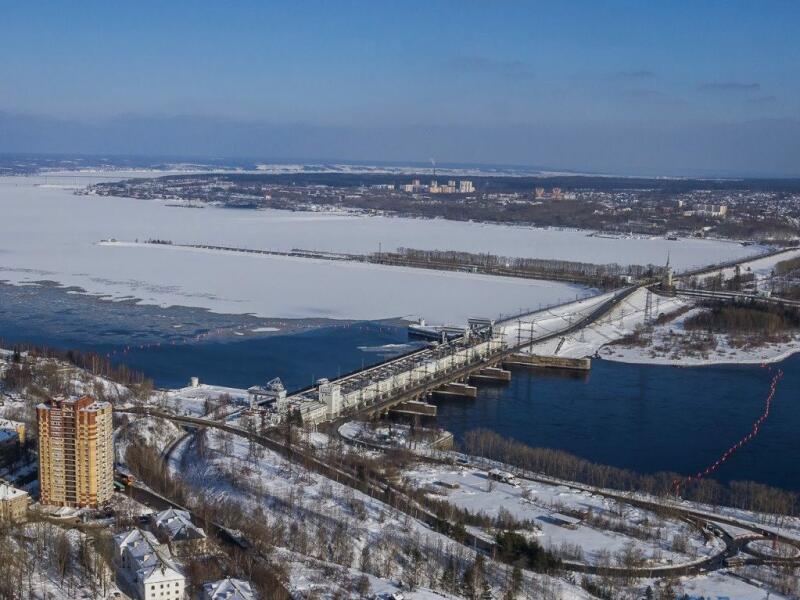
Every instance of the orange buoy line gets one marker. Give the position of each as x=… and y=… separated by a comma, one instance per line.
x=744, y=440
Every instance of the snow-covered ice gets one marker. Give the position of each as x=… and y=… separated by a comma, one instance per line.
x=52, y=234
x=48, y=233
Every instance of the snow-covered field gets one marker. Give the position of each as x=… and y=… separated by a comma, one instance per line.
x=666, y=347
x=201, y=400
x=621, y=321
x=725, y=585
x=540, y=504
x=664, y=339
x=48, y=233
x=333, y=523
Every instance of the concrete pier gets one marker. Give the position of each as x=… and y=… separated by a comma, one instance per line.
x=414, y=408
x=548, y=362
x=461, y=390
x=491, y=374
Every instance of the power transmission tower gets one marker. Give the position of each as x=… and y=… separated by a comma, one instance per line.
x=648, y=308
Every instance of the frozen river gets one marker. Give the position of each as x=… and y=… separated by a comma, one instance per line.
x=49, y=233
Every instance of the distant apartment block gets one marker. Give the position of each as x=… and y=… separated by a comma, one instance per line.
x=556, y=193
x=13, y=504
x=465, y=187
x=414, y=187
x=76, y=452
x=718, y=211
x=451, y=187
x=148, y=566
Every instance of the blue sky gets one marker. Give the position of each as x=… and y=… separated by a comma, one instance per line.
x=631, y=87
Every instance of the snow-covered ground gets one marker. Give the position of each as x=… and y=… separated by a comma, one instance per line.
x=201, y=400
x=390, y=435
x=262, y=483
x=725, y=585
x=151, y=431
x=621, y=321
x=48, y=233
x=540, y=504
x=664, y=341
x=32, y=560
x=670, y=343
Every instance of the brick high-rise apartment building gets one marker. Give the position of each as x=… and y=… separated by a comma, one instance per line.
x=76, y=452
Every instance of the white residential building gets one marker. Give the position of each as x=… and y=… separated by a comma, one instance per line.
x=175, y=528
x=148, y=565
x=465, y=187
x=228, y=589
x=13, y=503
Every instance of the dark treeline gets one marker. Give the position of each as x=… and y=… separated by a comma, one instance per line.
x=555, y=463
x=605, y=276
x=786, y=267
x=766, y=321
x=89, y=361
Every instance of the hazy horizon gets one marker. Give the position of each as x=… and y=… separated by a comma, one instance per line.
x=674, y=89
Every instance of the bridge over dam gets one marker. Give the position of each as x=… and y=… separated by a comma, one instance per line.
x=457, y=364
x=450, y=368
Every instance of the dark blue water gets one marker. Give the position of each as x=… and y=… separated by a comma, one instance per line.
x=298, y=359
x=649, y=418
x=645, y=418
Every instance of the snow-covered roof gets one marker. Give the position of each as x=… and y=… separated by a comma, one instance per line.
x=8, y=492
x=9, y=424
x=177, y=525
x=137, y=541
x=94, y=405
x=160, y=570
x=153, y=561
x=228, y=589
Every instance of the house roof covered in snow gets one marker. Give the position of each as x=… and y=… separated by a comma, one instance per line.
x=153, y=561
x=177, y=525
x=228, y=589
x=8, y=492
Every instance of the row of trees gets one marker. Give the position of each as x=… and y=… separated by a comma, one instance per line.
x=30, y=555
x=765, y=321
x=745, y=495
x=606, y=276
x=92, y=362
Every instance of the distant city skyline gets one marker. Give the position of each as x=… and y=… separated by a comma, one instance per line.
x=622, y=87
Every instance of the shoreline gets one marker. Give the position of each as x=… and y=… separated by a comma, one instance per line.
x=692, y=362
x=666, y=345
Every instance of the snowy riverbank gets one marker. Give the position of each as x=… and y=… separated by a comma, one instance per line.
x=654, y=339
x=672, y=344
